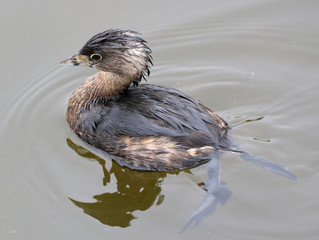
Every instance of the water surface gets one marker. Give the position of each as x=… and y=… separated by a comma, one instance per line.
x=253, y=62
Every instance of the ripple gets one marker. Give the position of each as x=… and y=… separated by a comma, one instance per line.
x=35, y=129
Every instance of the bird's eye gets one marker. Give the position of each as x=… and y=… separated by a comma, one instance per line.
x=96, y=57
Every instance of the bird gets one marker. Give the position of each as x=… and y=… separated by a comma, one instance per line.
x=143, y=126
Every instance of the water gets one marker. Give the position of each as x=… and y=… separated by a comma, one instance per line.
x=253, y=62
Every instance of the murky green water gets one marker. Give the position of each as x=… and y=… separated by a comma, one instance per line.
x=254, y=62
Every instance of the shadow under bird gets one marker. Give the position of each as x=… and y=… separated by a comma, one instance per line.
x=146, y=126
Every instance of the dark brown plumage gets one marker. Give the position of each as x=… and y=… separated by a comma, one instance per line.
x=148, y=126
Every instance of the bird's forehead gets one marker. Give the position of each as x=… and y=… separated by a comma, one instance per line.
x=101, y=48
x=113, y=41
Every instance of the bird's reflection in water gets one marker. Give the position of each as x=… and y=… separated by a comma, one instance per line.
x=136, y=190
x=139, y=190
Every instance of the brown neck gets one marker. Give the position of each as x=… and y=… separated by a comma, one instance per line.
x=104, y=86
x=108, y=86
x=101, y=87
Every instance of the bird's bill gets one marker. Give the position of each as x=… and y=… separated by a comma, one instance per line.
x=77, y=60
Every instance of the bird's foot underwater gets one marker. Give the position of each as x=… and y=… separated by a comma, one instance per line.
x=217, y=193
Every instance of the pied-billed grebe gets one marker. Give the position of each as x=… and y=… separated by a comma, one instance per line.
x=148, y=126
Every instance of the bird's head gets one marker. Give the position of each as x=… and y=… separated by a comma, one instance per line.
x=121, y=52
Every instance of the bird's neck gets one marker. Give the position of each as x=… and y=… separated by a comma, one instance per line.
x=100, y=88
x=107, y=86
